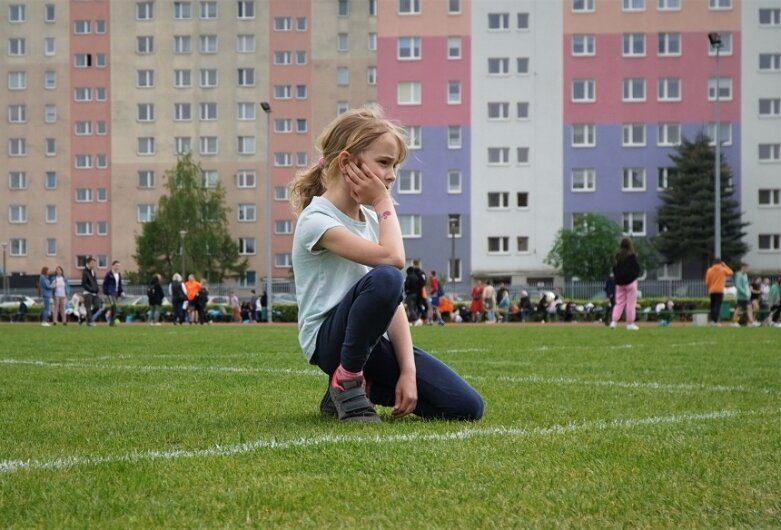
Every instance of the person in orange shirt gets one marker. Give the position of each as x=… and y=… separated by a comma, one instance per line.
x=192, y=286
x=715, y=280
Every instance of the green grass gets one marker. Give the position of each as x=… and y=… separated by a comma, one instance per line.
x=139, y=427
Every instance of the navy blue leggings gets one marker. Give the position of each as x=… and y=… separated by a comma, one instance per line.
x=352, y=335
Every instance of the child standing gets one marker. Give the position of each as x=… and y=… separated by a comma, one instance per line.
x=626, y=271
x=347, y=258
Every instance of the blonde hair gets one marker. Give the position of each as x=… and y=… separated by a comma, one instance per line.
x=353, y=131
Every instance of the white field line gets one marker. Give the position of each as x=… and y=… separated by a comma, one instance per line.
x=515, y=380
x=65, y=462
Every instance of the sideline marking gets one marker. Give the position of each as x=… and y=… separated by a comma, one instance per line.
x=65, y=462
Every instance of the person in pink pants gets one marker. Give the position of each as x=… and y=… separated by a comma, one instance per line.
x=626, y=270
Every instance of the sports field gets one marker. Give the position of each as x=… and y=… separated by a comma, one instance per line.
x=217, y=427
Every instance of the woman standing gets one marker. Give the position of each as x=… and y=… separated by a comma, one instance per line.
x=626, y=270
x=46, y=289
x=155, y=295
x=61, y=292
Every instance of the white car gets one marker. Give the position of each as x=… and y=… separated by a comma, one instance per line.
x=12, y=300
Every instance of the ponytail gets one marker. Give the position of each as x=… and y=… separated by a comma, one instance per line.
x=308, y=183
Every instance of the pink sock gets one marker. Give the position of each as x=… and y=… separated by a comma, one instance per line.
x=341, y=373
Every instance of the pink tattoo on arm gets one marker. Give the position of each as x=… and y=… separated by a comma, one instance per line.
x=386, y=214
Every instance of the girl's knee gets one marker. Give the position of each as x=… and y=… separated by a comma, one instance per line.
x=388, y=278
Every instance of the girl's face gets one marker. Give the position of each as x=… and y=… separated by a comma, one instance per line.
x=381, y=157
x=58, y=271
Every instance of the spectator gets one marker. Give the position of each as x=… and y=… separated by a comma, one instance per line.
x=178, y=293
x=476, y=308
x=610, y=291
x=744, y=305
x=113, y=290
x=715, y=281
x=47, y=292
x=201, y=300
x=61, y=292
x=626, y=270
x=89, y=282
x=235, y=307
x=192, y=286
x=155, y=297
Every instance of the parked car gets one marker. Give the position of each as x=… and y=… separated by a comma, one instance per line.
x=284, y=298
x=12, y=300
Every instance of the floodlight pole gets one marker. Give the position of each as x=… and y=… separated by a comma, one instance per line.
x=453, y=227
x=269, y=294
x=5, y=269
x=182, y=233
x=715, y=41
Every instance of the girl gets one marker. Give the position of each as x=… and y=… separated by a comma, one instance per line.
x=347, y=256
x=626, y=271
x=47, y=291
x=61, y=293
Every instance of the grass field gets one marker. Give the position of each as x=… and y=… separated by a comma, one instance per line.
x=217, y=427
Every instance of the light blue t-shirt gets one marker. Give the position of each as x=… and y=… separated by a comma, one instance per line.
x=322, y=277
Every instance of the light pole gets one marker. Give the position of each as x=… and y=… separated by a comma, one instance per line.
x=182, y=233
x=715, y=42
x=269, y=294
x=453, y=228
x=5, y=270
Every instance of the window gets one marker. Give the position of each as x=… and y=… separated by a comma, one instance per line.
x=372, y=42
x=769, y=152
x=668, y=5
x=49, y=46
x=283, y=159
x=584, y=135
x=633, y=135
x=726, y=44
x=145, y=45
x=582, y=5
x=208, y=9
x=498, y=65
x=248, y=279
x=17, y=147
x=342, y=8
x=17, y=113
x=283, y=24
x=342, y=42
x=408, y=93
x=633, y=5
x=724, y=86
x=634, y=45
x=770, y=16
x=17, y=47
x=146, y=146
x=372, y=8
x=498, y=200
x=17, y=80
x=145, y=179
x=522, y=155
x=584, y=90
x=454, y=137
x=409, y=7
x=301, y=92
x=245, y=179
x=101, y=228
x=283, y=261
x=414, y=137
x=633, y=179
x=18, y=247
x=301, y=57
x=183, y=10
x=183, y=78
x=522, y=243
x=583, y=45
x=183, y=112
x=411, y=225
x=634, y=89
x=668, y=89
x=208, y=77
x=522, y=199
x=102, y=195
x=145, y=10
x=498, y=245
x=183, y=145
x=454, y=47
x=453, y=7
x=663, y=176
x=100, y=27
x=50, y=146
x=283, y=92
x=371, y=75
x=769, y=241
x=51, y=247
x=17, y=180
x=145, y=78
x=50, y=180
x=245, y=9
x=408, y=48
x=669, y=44
x=769, y=107
x=245, y=111
x=49, y=13
x=145, y=213
x=454, y=92
x=769, y=197
x=50, y=80
x=281, y=193
x=342, y=76
x=245, y=213
x=247, y=246
x=498, y=111
x=498, y=155
x=454, y=178
x=17, y=13
x=341, y=107
x=208, y=111
x=719, y=4
x=283, y=125
x=522, y=65
x=245, y=43
x=498, y=21
x=454, y=225
x=83, y=195
x=523, y=20
x=82, y=161
x=17, y=214
x=409, y=181
x=668, y=134
x=246, y=77
x=283, y=58
x=144, y=112
x=725, y=133
x=584, y=179
x=670, y=271
x=82, y=60
x=209, y=44
x=769, y=62
x=245, y=145
x=209, y=145
x=522, y=110
x=210, y=178
x=81, y=27
x=183, y=44
x=633, y=223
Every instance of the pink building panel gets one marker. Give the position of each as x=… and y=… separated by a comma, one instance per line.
x=433, y=20
x=608, y=68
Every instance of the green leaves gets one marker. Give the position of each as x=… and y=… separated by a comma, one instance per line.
x=587, y=250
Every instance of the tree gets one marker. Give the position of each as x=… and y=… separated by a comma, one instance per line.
x=686, y=214
x=208, y=247
x=587, y=250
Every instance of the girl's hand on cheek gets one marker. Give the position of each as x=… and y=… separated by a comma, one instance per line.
x=365, y=187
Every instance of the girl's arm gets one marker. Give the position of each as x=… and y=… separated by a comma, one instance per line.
x=406, y=387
